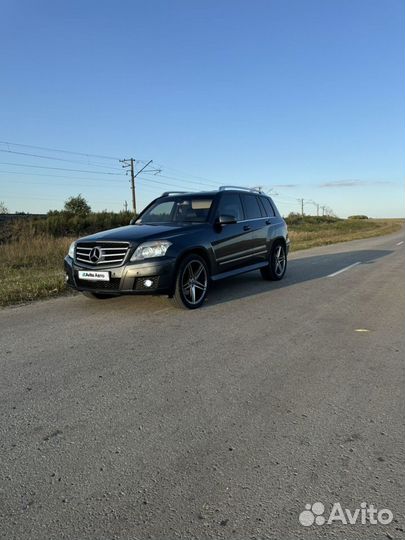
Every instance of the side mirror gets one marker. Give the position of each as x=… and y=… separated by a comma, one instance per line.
x=132, y=222
x=225, y=220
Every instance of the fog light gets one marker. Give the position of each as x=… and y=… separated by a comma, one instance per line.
x=66, y=277
x=148, y=283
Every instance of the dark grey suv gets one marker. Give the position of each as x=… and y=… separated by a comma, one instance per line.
x=180, y=243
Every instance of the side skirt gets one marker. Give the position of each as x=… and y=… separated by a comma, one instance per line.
x=237, y=271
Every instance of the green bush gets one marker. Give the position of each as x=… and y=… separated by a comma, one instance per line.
x=358, y=216
x=298, y=219
x=77, y=206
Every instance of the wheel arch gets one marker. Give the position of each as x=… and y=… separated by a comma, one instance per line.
x=198, y=250
x=279, y=240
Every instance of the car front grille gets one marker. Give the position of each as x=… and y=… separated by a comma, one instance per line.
x=101, y=253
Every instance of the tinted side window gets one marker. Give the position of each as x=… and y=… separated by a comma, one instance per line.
x=230, y=205
x=252, y=207
x=267, y=206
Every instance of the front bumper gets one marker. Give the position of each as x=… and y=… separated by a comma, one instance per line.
x=126, y=279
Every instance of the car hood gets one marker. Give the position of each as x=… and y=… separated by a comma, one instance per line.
x=143, y=233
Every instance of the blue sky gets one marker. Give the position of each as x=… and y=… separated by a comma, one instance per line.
x=304, y=97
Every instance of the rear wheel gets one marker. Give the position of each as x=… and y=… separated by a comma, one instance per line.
x=98, y=296
x=191, y=283
x=277, y=263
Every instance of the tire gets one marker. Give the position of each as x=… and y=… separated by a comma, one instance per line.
x=191, y=285
x=98, y=296
x=277, y=263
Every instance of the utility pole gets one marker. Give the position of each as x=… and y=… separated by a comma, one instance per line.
x=125, y=206
x=302, y=206
x=315, y=204
x=133, y=185
x=130, y=163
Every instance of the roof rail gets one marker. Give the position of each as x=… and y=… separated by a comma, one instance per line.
x=166, y=193
x=254, y=190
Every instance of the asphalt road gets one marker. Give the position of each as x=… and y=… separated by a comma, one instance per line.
x=128, y=419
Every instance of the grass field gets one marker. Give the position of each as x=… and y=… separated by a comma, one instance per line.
x=307, y=235
x=32, y=266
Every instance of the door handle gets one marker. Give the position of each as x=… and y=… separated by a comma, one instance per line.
x=247, y=227
x=268, y=221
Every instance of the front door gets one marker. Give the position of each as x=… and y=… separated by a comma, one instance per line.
x=232, y=242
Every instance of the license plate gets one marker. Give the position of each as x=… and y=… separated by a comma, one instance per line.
x=92, y=275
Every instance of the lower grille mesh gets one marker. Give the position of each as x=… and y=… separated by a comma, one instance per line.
x=112, y=285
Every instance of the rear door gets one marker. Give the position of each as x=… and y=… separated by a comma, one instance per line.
x=231, y=242
x=271, y=220
x=256, y=220
x=276, y=224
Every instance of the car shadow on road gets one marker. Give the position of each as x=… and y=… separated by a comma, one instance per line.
x=298, y=271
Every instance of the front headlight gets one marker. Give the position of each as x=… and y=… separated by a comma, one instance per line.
x=71, y=251
x=147, y=250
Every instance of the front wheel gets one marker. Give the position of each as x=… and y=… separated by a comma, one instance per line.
x=191, y=284
x=277, y=264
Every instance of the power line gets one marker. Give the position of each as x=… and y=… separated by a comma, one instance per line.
x=85, y=154
x=188, y=182
x=58, y=168
x=141, y=178
x=184, y=173
x=99, y=156
x=57, y=176
x=61, y=183
x=213, y=183
x=184, y=181
x=58, y=199
x=57, y=159
x=161, y=183
x=281, y=199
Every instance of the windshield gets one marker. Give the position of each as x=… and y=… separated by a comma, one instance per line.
x=183, y=210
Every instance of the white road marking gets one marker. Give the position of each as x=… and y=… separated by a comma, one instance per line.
x=344, y=269
x=362, y=330
x=400, y=243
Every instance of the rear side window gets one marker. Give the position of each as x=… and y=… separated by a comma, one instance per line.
x=230, y=205
x=267, y=206
x=252, y=207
